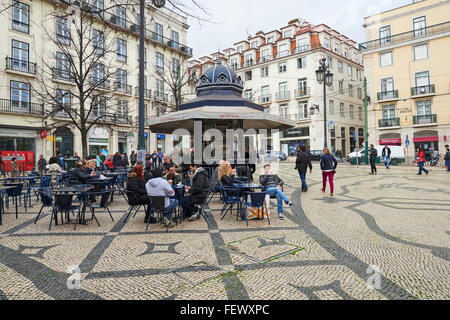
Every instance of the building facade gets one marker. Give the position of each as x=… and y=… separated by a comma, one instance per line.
x=408, y=74
x=278, y=69
x=26, y=123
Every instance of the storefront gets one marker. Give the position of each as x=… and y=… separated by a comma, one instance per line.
x=18, y=143
x=161, y=143
x=63, y=141
x=293, y=138
x=98, y=139
x=122, y=139
x=426, y=139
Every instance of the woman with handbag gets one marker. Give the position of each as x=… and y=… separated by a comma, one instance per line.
x=328, y=165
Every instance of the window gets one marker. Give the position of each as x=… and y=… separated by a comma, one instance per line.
x=62, y=66
x=20, y=96
x=326, y=42
x=360, y=116
x=234, y=63
x=21, y=17
x=145, y=56
x=331, y=106
x=175, y=39
x=359, y=92
x=284, y=110
x=330, y=62
x=287, y=34
x=302, y=110
x=341, y=86
x=301, y=63
x=265, y=95
x=248, y=60
x=264, y=71
x=248, y=75
x=175, y=67
x=387, y=85
x=385, y=35
x=283, y=50
x=122, y=109
x=62, y=31
x=20, y=56
x=121, y=50
x=419, y=26
x=159, y=32
x=388, y=112
x=255, y=44
x=240, y=49
x=121, y=78
x=349, y=70
x=282, y=90
x=350, y=90
x=99, y=107
x=248, y=94
x=282, y=67
x=421, y=52
x=343, y=132
x=160, y=89
x=270, y=39
x=342, y=109
x=98, y=7
x=424, y=108
x=359, y=75
x=336, y=48
x=422, y=79
x=340, y=66
x=265, y=55
x=302, y=86
x=159, y=62
x=346, y=52
x=121, y=16
x=302, y=44
x=98, y=41
x=98, y=73
x=386, y=59
x=63, y=98
x=352, y=111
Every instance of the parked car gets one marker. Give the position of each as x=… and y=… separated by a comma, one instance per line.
x=275, y=156
x=397, y=155
x=315, y=155
x=108, y=162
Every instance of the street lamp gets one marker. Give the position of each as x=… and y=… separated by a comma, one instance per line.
x=141, y=138
x=324, y=76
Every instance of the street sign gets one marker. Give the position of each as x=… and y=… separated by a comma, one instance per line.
x=145, y=135
x=407, y=143
x=58, y=139
x=50, y=138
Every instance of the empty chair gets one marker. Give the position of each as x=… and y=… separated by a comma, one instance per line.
x=129, y=197
x=257, y=200
x=105, y=197
x=63, y=204
x=45, y=194
x=230, y=197
x=15, y=195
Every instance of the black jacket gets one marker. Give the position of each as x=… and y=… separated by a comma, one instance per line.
x=447, y=155
x=80, y=175
x=166, y=166
x=42, y=163
x=303, y=161
x=117, y=160
x=138, y=187
x=227, y=180
x=373, y=153
x=200, y=185
x=270, y=181
x=383, y=154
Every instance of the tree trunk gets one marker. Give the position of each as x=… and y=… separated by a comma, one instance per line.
x=84, y=144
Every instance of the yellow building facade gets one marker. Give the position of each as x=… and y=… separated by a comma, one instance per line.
x=407, y=65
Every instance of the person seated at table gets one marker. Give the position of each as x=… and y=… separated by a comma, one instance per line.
x=166, y=165
x=158, y=187
x=273, y=186
x=91, y=167
x=198, y=192
x=225, y=175
x=173, y=175
x=136, y=184
x=54, y=168
x=80, y=175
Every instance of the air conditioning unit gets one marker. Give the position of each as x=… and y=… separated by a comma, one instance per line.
x=133, y=28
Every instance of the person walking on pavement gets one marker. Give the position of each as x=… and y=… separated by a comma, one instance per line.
x=386, y=154
x=328, y=164
x=301, y=164
x=421, y=161
x=133, y=158
x=154, y=159
x=160, y=158
x=447, y=157
x=373, y=153
x=117, y=160
x=42, y=163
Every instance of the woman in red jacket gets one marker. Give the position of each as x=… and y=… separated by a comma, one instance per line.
x=421, y=161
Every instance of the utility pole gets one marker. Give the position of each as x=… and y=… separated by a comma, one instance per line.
x=141, y=138
x=366, y=132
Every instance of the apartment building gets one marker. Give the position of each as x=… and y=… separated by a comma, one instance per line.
x=278, y=69
x=408, y=72
x=25, y=121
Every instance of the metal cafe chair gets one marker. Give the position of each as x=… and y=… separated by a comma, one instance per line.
x=103, y=204
x=257, y=200
x=63, y=204
x=158, y=207
x=230, y=197
x=45, y=193
x=15, y=194
x=128, y=196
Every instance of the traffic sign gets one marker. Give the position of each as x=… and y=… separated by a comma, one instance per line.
x=58, y=139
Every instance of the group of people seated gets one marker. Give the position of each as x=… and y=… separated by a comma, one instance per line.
x=159, y=182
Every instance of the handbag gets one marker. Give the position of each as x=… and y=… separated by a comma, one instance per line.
x=329, y=162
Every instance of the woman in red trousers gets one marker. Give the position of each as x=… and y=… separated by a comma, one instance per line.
x=328, y=164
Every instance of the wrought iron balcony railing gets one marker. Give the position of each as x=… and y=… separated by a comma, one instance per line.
x=20, y=65
x=62, y=74
x=265, y=99
x=417, y=91
x=387, y=95
x=21, y=107
x=286, y=95
x=122, y=87
x=425, y=119
x=299, y=93
x=147, y=93
x=392, y=122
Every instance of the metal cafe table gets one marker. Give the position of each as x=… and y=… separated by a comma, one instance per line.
x=2, y=190
x=242, y=187
x=80, y=189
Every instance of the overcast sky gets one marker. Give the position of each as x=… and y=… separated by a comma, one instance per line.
x=235, y=19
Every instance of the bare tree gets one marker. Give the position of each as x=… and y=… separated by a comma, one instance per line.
x=84, y=57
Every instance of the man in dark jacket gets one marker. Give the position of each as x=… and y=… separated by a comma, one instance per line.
x=125, y=162
x=198, y=192
x=447, y=157
x=154, y=159
x=117, y=160
x=301, y=164
x=273, y=186
x=166, y=165
x=373, y=153
x=386, y=154
x=42, y=163
x=80, y=175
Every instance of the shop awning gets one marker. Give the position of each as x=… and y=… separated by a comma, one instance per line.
x=426, y=139
x=390, y=141
x=253, y=119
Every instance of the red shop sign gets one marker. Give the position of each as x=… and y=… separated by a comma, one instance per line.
x=426, y=139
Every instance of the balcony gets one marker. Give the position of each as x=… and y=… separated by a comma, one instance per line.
x=385, y=123
x=286, y=95
x=122, y=88
x=100, y=84
x=423, y=90
x=62, y=111
x=161, y=97
x=406, y=36
x=302, y=48
x=111, y=118
x=21, y=66
x=300, y=117
x=265, y=58
x=265, y=99
x=248, y=63
x=60, y=74
x=21, y=107
x=147, y=93
x=283, y=54
x=300, y=93
x=425, y=119
x=387, y=95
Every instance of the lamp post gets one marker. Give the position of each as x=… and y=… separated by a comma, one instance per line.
x=141, y=139
x=324, y=76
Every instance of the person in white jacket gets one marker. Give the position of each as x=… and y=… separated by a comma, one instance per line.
x=159, y=187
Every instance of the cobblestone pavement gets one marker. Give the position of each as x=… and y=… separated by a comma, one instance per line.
x=380, y=237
